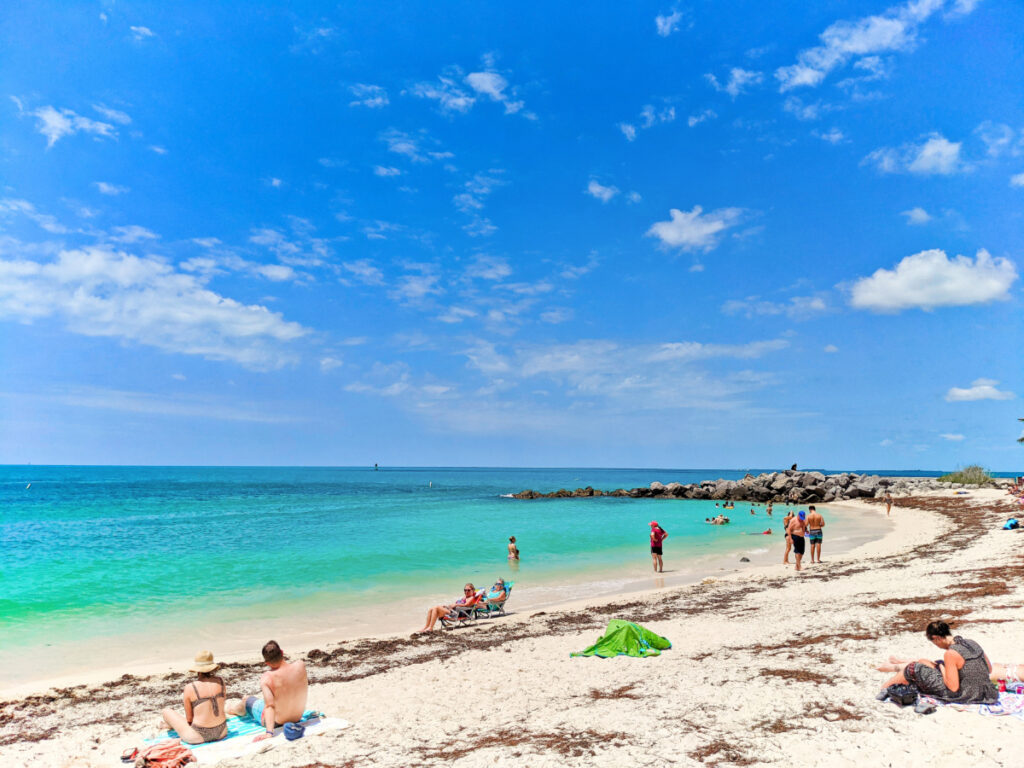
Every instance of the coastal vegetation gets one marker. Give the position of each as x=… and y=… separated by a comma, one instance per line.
x=974, y=474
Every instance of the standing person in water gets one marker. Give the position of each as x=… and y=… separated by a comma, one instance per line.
x=815, y=522
x=795, y=530
x=513, y=550
x=658, y=535
x=785, y=530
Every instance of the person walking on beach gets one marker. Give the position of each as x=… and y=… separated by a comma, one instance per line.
x=785, y=529
x=888, y=503
x=795, y=532
x=284, y=686
x=513, y=550
x=658, y=535
x=815, y=522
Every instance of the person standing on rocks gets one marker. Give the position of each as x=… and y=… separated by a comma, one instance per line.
x=795, y=532
x=815, y=522
x=785, y=530
x=658, y=535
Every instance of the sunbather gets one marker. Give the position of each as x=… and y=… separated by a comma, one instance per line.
x=962, y=675
x=1011, y=673
x=469, y=598
x=284, y=688
x=205, y=716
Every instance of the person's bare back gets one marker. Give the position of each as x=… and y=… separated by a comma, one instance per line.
x=285, y=689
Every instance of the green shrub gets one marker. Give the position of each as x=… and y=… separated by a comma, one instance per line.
x=975, y=474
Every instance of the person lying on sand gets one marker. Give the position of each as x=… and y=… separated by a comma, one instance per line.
x=962, y=675
x=205, y=716
x=469, y=597
x=284, y=686
x=1011, y=673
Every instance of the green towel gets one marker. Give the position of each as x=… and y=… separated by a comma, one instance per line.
x=624, y=638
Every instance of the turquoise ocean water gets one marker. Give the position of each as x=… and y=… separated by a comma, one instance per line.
x=89, y=550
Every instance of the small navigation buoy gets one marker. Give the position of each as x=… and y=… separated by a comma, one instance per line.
x=430, y=484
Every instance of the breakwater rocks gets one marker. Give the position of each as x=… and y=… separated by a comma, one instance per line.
x=792, y=486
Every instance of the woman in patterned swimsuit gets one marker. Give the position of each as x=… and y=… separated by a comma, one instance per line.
x=962, y=675
x=205, y=718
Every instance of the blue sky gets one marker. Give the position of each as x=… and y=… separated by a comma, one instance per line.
x=701, y=235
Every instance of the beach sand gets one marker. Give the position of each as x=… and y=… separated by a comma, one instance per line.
x=767, y=667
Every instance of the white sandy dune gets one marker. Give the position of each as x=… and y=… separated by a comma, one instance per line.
x=768, y=667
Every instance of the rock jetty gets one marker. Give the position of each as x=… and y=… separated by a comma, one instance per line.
x=791, y=486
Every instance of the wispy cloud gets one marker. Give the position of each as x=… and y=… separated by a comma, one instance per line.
x=917, y=216
x=739, y=81
x=55, y=124
x=142, y=33
x=113, y=115
x=695, y=230
x=106, y=188
x=667, y=24
x=601, y=192
x=367, y=95
x=935, y=155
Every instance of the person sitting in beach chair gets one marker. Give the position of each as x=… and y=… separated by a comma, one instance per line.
x=493, y=601
x=460, y=610
x=206, y=715
x=961, y=676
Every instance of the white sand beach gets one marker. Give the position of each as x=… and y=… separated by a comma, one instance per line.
x=768, y=667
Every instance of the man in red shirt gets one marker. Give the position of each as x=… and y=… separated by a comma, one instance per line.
x=658, y=535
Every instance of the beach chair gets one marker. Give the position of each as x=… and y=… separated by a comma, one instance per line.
x=494, y=607
x=463, y=614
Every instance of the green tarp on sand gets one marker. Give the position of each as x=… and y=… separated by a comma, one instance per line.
x=624, y=638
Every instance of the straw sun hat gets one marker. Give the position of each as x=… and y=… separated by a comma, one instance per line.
x=204, y=663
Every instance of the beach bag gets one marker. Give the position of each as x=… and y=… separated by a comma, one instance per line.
x=167, y=754
x=904, y=695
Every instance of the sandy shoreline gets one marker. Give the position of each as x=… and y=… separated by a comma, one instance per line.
x=766, y=666
x=302, y=633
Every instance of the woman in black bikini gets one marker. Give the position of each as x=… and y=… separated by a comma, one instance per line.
x=205, y=718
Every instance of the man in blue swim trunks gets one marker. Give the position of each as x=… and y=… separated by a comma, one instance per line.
x=815, y=522
x=284, y=687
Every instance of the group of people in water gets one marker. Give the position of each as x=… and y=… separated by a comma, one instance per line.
x=282, y=699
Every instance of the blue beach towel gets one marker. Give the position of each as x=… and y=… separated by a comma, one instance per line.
x=241, y=726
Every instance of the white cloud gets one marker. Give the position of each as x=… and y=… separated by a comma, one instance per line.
x=275, y=272
x=952, y=437
x=1000, y=139
x=695, y=230
x=366, y=95
x=980, y=389
x=1017, y=180
x=300, y=249
x=409, y=146
x=936, y=155
x=106, y=188
x=382, y=170
x=329, y=363
x=832, y=136
x=917, y=216
x=666, y=25
x=178, y=376
x=446, y=92
x=494, y=85
x=45, y=221
x=798, y=307
x=930, y=279
x=885, y=443
x=419, y=282
x=99, y=291
x=456, y=315
x=831, y=349
x=700, y=117
x=364, y=271
x=894, y=30
x=628, y=130
x=556, y=315
x=113, y=115
x=599, y=191
x=488, y=268
x=158, y=149
x=649, y=116
x=634, y=197
x=141, y=33
x=132, y=233
x=55, y=124
x=739, y=80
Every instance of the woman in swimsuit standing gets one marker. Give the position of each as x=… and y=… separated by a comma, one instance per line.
x=513, y=550
x=785, y=528
x=205, y=718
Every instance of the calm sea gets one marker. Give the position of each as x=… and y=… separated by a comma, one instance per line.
x=91, y=550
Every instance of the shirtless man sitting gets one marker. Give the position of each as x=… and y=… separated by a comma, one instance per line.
x=284, y=689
